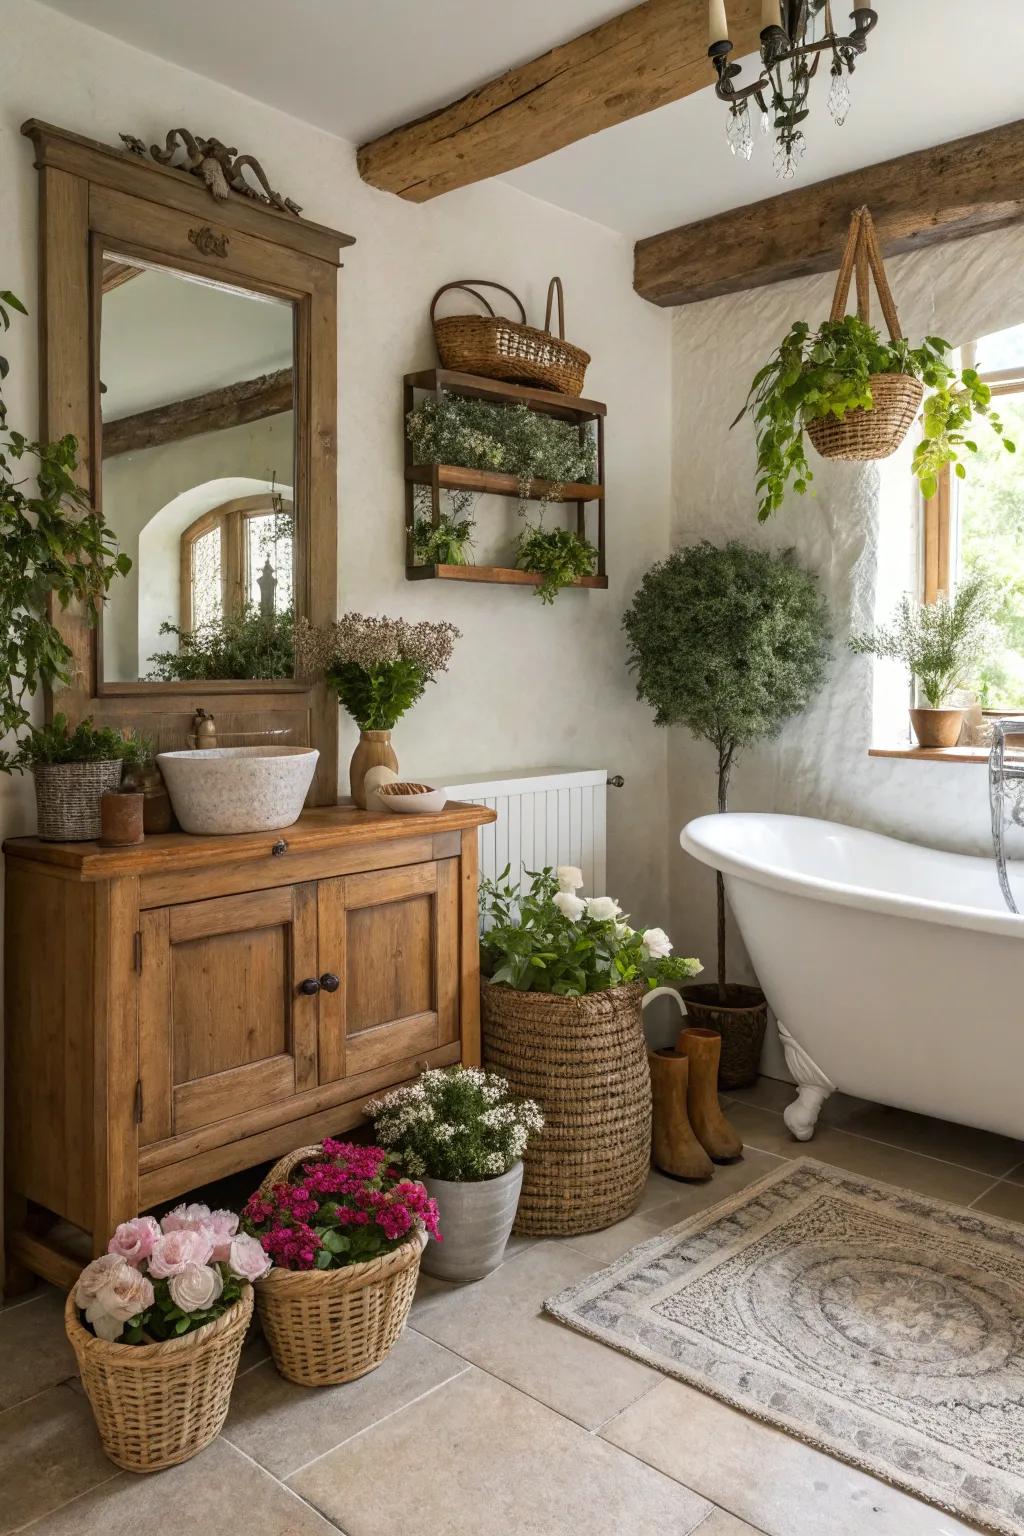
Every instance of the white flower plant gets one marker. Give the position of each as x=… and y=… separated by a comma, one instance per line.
x=550, y=939
x=455, y=1123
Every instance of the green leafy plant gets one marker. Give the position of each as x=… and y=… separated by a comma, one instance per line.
x=378, y=667
x=940, y=643
x=728, y=643
x=54, y=548
x=58, y=743
x=248, y=643
x=557, y=555
x=549, y=939
x=510, y=439
x=447, y=544
x=455, y=1123
x=815, y=374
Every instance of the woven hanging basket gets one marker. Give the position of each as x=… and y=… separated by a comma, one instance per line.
x=584, y=1060
x=68, y=798
x=156, y=1405
x=493, y=347
x=325, y=1326
x=862, y=435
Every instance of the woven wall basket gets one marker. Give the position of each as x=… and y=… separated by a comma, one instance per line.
x=68, y=798
x=862, y=435
x=326, y=1326
x=496, y=348
x=584, y=1060
x=156, y=1405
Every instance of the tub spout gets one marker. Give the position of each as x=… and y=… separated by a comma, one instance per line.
x=1001, y=775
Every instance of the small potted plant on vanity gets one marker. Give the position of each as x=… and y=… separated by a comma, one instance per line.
x=941, y=644
x=157, y=1325
x=379, y=668
x=729, y=643
x=564, y=977
x=72, y=769
x=460, y=1132
x=346, y=1230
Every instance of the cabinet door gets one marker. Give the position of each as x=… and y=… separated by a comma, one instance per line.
x=391, y=938
x=224, y=1025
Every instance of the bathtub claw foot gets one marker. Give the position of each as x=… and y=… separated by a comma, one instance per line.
x=813, y=1088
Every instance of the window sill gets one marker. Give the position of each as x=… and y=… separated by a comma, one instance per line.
x=938, y=754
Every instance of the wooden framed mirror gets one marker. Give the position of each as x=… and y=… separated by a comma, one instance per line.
x=190, y=346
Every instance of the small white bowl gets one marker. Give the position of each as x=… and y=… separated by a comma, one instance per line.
x=423, y=804
x=238, y=789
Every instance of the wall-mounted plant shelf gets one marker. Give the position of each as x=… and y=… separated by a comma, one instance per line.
x=452, y=477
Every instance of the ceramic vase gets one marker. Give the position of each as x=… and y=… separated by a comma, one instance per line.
x=476, y=1219
x=374, y=750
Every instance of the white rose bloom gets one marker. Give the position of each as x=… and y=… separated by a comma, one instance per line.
x=570, y=906
x=569, y=877
x=656, y=944
x=196, y=1288
x=603, y=908
x=623, y=931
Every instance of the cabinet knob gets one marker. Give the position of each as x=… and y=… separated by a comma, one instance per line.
x=310, y=987
x=279, y=848
x=329, y=981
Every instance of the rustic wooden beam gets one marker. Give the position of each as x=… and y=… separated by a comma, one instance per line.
x=115, y=273
x=647, y=57
x=946, y=193
x=232, y=406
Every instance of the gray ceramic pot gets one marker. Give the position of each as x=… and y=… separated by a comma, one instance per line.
x=476, y=1219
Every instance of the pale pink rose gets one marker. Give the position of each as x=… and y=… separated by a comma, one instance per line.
x=122, y=1294
x=185, y=1217
x=93, y=1276
x=247, y=1259
x=103, y=1325
x=221, y=1226
x=195, y=1288
x=174, y=1250
x=134, y=1239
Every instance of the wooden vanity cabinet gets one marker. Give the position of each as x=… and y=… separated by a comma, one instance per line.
x=195, y=1006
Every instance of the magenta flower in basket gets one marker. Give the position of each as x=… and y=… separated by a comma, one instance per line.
x=157, y=1326
x=346, y=1230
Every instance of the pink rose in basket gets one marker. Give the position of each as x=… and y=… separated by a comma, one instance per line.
x=134, y=1239
x=221, y=1226
x=195, y=1287
x=175, y=1250
x=186, y=1218
x=93, y=1276
x=247, y=1259
x=118, y=1293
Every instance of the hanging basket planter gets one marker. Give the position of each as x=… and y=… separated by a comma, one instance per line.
x=862, y=435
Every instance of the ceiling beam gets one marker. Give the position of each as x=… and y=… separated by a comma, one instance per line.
x=645, y=58
x=956, y=189
x=232, y=406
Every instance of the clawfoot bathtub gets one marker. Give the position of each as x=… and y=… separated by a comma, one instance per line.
x=895, y=972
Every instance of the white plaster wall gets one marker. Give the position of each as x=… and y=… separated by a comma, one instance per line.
x=857, y=532
x=529, y=685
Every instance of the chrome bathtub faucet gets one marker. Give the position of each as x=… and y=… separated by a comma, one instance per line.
x=1003, y=796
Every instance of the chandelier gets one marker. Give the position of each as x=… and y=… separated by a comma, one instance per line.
x=791, y=50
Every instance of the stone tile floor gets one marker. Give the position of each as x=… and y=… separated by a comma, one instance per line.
x=490, y=1418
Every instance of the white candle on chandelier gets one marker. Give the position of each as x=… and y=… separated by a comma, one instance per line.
x=771, y=14
x=718, y=25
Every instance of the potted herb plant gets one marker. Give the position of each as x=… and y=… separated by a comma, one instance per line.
x=729, y=643
x=557, y=555
x=461, y=1132
x=379, y=668
x=345, y=1230
x=564, y=977
x=246, y=643
x=157, y=1325
x=940, y=644
x=72, y=769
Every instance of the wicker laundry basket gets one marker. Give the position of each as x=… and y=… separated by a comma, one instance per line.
x=584, y=1060
x=68, y=798
x=326, y=1326
x=493, y=347
x=156, y=1405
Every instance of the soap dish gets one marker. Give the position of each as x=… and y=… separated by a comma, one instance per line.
x=412, y=799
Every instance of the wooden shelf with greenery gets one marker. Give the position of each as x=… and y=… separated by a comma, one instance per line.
x=453, y=477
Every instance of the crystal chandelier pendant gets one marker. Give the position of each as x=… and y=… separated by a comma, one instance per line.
x=839, y=98
x=766, y=123
x=737, y=131
x=789, y=151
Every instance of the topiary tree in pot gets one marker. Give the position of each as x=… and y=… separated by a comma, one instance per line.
x=729, y=643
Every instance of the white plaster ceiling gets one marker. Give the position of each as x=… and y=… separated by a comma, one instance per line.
x=935, y=69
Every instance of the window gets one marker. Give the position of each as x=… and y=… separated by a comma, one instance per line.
x=238, y=555
x=977, y=524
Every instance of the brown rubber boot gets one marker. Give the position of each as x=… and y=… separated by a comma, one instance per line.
x=702, y=1048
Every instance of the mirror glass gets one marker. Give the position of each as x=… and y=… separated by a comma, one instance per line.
x=198, y=429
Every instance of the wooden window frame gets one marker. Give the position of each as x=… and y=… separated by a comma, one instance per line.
x=231, y=518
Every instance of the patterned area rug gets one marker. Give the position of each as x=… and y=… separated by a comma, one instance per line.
x=876, y=1324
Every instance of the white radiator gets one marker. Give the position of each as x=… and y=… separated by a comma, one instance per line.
x=546, y=818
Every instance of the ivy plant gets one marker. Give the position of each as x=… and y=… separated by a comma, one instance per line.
x=815, y=374
x=557, y=555
x=55, y=548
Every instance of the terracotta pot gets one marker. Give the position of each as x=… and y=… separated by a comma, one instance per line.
x=374, y=750
x=741, y=1021
x=937, y=727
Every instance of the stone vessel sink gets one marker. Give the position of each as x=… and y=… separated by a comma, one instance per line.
x=238, y=789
